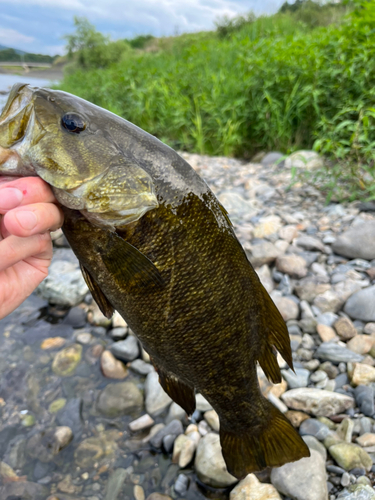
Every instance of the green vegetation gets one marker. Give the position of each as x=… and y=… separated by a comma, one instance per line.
x=280, y=82
x=12, y=55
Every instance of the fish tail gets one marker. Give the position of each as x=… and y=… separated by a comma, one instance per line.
x=272, y=443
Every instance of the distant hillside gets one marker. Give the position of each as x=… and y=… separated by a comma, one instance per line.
x=9, y=54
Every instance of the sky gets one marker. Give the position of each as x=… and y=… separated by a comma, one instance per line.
x=39, y=25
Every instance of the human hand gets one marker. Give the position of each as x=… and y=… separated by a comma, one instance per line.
x=27, y=214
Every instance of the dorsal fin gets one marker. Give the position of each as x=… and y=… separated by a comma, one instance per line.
x=104, y=305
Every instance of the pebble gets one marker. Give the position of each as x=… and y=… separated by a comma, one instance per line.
x=173, y=428
x=84, y=338
x=367, y=439
x=66, y=361
x=201, y=403
x=293, y=265
x=287, y=307
x=251, y=488
x=345, y=329
x=52, y=343
x=119, y=399
x=183, y=450
x=349, y=455
x=302, y=480
x=209, y=463
x=111, y=367
x=317, y=402
x=357, y=242
x=364, y=396
x=115, y=483
x=126, y=350
x=314, y=444
x=143, y=422
x=361, y=344
x=362, y=374
x=304, y=160
x=141, y=367
x=326, y=333
x=157, y=400
x=330, y=351
x=312, y=427
x=212, y=418
x=361, y=305
x=296, y=379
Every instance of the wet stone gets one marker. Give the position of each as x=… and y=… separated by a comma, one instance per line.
x=157, y=400
x=173, y=428
x=67, y=360
x=141, y=367
x=76, y=317
x=119, y=399
x=126, y=350
x=115, y=483
x=112, y=367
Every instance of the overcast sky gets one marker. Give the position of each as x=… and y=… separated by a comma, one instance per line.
x=38, y=25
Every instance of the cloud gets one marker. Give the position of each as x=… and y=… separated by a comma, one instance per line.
x=10, y=37
x=44, y=22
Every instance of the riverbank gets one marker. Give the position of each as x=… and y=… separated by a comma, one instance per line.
x=53, y=73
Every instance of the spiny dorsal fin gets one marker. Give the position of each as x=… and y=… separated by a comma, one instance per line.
x=104, y=305
x=181, y=393
x=128, y=265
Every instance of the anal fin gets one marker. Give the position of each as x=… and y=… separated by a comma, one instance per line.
x=181, y=393
x=276, y=337
x=104, y=305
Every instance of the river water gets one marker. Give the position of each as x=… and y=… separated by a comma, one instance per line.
x=7, y=81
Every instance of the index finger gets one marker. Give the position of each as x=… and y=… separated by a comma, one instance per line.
x=33, y=189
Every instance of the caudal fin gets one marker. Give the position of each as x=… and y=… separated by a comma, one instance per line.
x=271, y=444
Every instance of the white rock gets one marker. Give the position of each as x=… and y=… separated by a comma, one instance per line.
x=302, y=480
x=140, y=423
x=305, y=160
x=251, y=488
x=317, y=402
x=201, y=403
x=157, y=400
x=209, y=463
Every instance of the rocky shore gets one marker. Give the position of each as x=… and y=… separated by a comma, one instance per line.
x=82, y=414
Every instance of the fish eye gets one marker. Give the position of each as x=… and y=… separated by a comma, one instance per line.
x=74, y=123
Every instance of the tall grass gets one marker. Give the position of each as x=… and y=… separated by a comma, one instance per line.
x=270, y=83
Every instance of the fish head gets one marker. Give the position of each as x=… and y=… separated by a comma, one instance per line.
x=70, y=143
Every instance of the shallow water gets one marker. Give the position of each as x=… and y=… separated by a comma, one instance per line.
x=7, y=81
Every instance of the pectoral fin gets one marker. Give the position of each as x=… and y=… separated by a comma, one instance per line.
x=128, y=265
x=104, y=305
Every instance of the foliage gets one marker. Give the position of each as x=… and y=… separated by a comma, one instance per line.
x=139, y=42
x=273, y=83
x=88, y=48
x=13, y=55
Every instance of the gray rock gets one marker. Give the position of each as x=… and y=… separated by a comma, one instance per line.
x=298, y=379
x=273, y=158
x=238, y=208
x=357, y=242
x=262, y=253
x=315, y=428
x=141, y=367
x=314, y=444
x=209, y=463
x=309, y=243
x=361, y=305
x=119, y=399
x=175, y=412
x=181, y=485
x=71, y=416
x=173, y=428
x=328, y=318
x=364, y=397
x=126, y=350
x=64, y=284
x=302, y=480
x=157, y=400
x=329, y=351
x=317, y=401
x=287, y=307
x=115, y=483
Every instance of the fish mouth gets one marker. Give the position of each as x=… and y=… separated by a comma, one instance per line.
x=15, y=120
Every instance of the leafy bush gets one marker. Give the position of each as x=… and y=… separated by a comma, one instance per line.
x=273, y=83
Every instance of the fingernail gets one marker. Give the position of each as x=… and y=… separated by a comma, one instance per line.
x=27, y=220
x=10, y=198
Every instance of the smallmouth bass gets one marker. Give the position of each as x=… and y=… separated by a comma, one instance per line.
x=155, y=244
